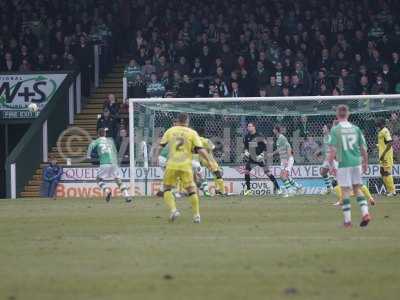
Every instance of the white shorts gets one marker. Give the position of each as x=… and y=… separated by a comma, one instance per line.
x=108, y=171
x=287, y=164
x=347, y=177
x=162, y=161
x=196, y=165
x=326, y=165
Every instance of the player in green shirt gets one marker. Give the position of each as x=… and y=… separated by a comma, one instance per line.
x=324, y=171
x=347, y=144
x=285, y=152
x=107, y=154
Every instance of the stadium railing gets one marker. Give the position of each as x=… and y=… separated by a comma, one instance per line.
x=43, y=133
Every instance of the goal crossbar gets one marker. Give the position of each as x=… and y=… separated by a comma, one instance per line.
x=264, y=99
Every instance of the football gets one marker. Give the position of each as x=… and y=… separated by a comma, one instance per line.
x=32, y=107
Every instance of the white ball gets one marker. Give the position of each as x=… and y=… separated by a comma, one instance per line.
x=33, y=107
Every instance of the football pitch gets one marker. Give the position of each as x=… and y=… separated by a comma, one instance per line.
x=245, y=248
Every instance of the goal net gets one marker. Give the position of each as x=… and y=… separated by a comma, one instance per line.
x=224, y=121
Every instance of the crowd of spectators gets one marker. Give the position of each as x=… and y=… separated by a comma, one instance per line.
x=55, y=35
x=264, y=48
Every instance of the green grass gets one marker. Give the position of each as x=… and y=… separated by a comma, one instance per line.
x=257, y=248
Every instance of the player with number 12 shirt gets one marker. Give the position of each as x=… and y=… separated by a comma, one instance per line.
x=347, y=144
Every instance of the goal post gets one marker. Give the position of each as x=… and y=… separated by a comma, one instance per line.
x=224, y=121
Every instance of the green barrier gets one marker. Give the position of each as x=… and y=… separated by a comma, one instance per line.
x=26, y=157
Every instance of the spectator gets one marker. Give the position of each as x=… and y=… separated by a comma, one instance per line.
x=84, y=57
x=9, y=64
x=51, y=177
x=395, y=67
x=70, y=63
x=112, y=106
x=272, y=89
x=109, y=123
x=348, y=82
x=148, y=69
x=260, y=75
x=304, y=77
x=380, y=86
x=364, y=88
x=138, y=88
x=162, y=66
x=296, y=88
x=55, y=63
x=155, y=88
x=186, y=89
x=197, y=70
x=41, y=63
x=25, y=66
x=132, y=70
x=235, y=90
x=183, y=67
x=387, y=76
x=221, y=87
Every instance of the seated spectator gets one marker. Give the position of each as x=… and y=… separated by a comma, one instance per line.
x=55, y=63
x=388, y=77
x=186, y=89
x=138, y=88
x=162, y=65
x=348, y=82
x=380, y=86
x=41, y=63
x=132, y=70
x=51, y=177
x=25, y=66
x=296, y=89
x=364, y=87
x=107, y=122
x=304, y=76
x=182, y=66
x=198, y=70
x=147, y=69
x=155, y=88
x=262, y=92
x=324, y=91
x=260, y=75
x=9, y=64
x=176, y=82
x=221, y=86
x=235, y=90
x=272, y=89
x=70, y=63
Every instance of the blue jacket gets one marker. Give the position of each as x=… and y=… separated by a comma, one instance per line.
x=52, y=172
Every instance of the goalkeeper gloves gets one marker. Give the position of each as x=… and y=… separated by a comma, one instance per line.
x=260, y=158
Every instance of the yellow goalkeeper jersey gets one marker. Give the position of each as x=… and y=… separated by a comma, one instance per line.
x=383, y=138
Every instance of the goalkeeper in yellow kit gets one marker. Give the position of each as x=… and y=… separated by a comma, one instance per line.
x=182, y=143
x=385, y=151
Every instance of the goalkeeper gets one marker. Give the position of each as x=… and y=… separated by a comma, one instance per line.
x=254, y=147
x=212, y=165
